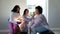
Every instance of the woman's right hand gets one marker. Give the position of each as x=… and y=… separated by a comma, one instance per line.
x=21, y=27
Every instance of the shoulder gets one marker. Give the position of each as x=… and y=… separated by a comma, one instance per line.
x=41, y=15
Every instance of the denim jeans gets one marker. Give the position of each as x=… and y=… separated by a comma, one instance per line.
x=37, y=29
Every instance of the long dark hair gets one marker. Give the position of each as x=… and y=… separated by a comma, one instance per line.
x=15, y=8
x=25, y=11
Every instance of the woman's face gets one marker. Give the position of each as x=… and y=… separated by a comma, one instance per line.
x=18, y=9
x=36, y=11
x=27, y=12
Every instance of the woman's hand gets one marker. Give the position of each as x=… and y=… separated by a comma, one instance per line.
x=22, y=24
x=20, y=19
x=22, y=27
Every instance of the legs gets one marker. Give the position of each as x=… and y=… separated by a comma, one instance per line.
x=29, y=31
x=12, y=28
x=11, y=31
x=38, y=29
x=15, y=27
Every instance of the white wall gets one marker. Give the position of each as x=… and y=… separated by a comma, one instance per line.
x=54, y=13
x=5, y=9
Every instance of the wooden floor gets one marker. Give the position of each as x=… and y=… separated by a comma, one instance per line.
x=56, y=32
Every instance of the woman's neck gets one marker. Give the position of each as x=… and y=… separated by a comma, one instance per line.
x=26, y=15
x=37, y=14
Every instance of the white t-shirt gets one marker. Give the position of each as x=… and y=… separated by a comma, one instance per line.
x=13, y=17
